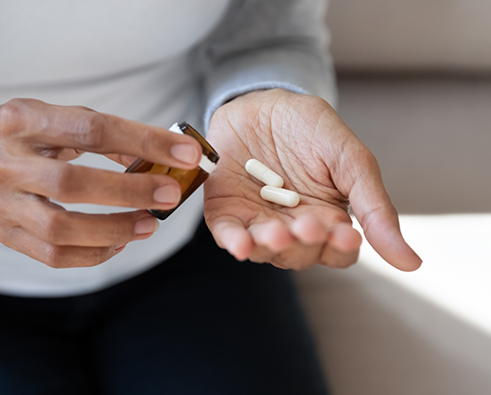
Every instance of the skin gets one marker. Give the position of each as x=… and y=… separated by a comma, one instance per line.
x=37, y=140
x=301, y=138
x=298, y=136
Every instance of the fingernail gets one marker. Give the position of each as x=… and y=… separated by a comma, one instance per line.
x=147, y=225
x=119, y=248
x=185, y=152
x=167, y=194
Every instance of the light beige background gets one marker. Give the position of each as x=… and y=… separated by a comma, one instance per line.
x=407, y=34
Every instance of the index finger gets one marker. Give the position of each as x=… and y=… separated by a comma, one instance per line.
x=87, y=130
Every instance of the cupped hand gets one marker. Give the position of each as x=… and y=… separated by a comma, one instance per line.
x=301, y=138
x=37, y=140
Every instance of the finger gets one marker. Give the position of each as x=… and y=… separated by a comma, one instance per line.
x=274, y=235
x=337, y=259
x=344, y=238
x=260, y=254
x=74, y=184
x=337, y=247
x=87, y=130
x=61, y=227
x=309, y=230
x=230, y=234
x=298, y=257
x=53, y=255
x=125, y=160
x=378, y=217
x=342, y=247
x=68, y=154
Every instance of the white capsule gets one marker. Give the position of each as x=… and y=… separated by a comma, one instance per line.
x=263, y=173
x=280, y=196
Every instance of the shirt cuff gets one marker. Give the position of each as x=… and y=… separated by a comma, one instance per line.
x=298, y=71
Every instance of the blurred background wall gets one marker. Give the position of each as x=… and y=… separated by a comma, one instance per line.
x=415, y=86
x=411, y=36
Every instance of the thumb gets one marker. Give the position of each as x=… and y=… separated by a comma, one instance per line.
x=377, y=216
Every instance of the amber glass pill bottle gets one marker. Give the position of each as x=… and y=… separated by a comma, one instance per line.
x=189, y=180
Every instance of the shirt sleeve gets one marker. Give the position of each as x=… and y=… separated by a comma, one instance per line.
x=266, y=44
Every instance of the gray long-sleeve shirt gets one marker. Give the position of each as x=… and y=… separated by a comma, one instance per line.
x=155, y=63
x=266, y=44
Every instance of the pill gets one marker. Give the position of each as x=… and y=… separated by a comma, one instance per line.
x=263, y=173
x=280, y=196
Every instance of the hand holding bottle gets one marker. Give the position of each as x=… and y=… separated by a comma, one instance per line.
x=36, y=142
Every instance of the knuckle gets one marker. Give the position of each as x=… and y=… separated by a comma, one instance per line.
x=138, y=191
x=148, y=143
x=118, y=232
x=282, y=263
x=298, y=265
x=366, y=160
x=58, y=257
x=304, y=265
x=387, y=209
x=90, y=130
x=346, y=265
x=62, y=182
x=342, y=261
x=341, y=264
x=53, y=227
x=11, y=114
x=100, y=255
x=54, y=256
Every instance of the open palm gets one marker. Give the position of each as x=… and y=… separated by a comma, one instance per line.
x=302, y=139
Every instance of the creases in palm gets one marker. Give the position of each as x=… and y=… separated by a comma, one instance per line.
x=232, y=191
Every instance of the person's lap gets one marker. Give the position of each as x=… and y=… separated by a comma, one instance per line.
x=199, y=323
x=41, y=349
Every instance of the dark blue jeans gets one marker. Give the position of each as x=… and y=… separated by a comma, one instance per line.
x=198, y=323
